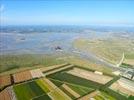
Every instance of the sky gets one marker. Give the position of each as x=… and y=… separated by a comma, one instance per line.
x=67, y=12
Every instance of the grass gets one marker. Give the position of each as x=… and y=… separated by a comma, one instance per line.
x=114, y=94
x=69, y=94
x=12, y=62
x=43, y=97
x=28, y=90
x=110, y=49
x=62, y=76
x=107, y=96
x=54, y=92
x=98, y=97
x=41, y=83
x=89, y=65
x=83, y=86
x=56, y=82
x=129, y=56
x=126, y=65
x=57, y=95
x=80, y=90
x=34, y=86
x=47, y=86
x=104, y=96
x=131, y=98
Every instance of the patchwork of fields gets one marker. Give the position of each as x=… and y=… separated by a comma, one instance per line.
x=74, y=86
x=61, y=82
x=102, y=79
x=27, y=91
x=124, y=87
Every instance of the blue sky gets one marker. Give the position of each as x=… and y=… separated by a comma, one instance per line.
x=67, y=12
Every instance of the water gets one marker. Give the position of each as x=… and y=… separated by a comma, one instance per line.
x=44, y=39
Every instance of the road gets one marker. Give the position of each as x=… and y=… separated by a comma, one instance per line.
x=97, y=60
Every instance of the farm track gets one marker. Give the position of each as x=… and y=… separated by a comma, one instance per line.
x=96, y=59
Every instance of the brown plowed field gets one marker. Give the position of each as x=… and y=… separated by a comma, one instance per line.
x=5, y=80
x=22, y=76
x=5, y=95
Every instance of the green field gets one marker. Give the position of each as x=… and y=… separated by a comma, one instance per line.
x=80, y=90
x=59, y=84
x=27, y=91
x=43, y=97
x=125, y=65
x=56, y=82
x=104, y=96
x=69, y=94
x=64, y=77
x=13, y=63
x=129, y=56
x=42, y=84
x=128, y=61
x=51, y=89
x=57, y=96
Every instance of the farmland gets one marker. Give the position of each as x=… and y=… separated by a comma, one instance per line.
x=5, y=81
x=80, y=89
x=36, y=73
x=70, y=91
x=102, y=79
x=7, y=94
x=83, y=86
x=55, y=92
x=22, y=76
x=27, y=90
x=62, y=76
x=81, y=61
x=42, y=97
x=128, y=61
x=123, y=86
x=43, y=85
x=62, y=82
x=103, y=96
